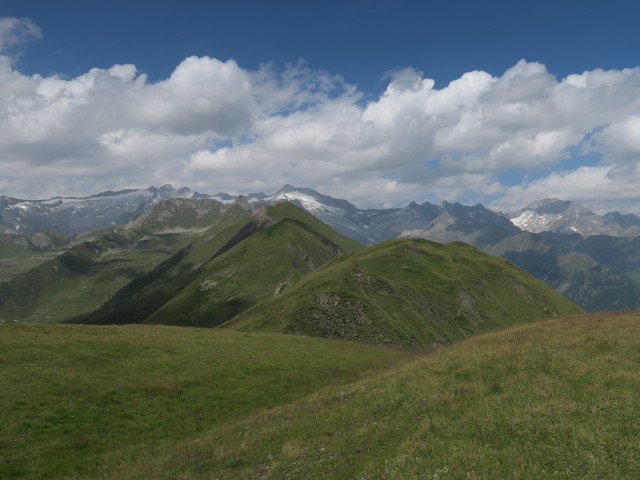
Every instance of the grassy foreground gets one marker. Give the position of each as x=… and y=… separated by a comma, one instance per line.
x=551, y=399
x=80, y=401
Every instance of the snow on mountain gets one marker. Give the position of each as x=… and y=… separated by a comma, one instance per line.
x=554, y=215
x=534, y=222
x=307, y=201
x=73, y=215
x=312, y=201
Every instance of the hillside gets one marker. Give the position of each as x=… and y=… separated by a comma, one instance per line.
x=21, y=252
x=58, y=286
x=407, y=293
x=218, y=277
x=544, y=400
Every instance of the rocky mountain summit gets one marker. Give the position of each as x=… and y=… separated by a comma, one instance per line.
x=554, y=215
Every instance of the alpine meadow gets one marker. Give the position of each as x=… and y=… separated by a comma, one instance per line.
x=314, y=240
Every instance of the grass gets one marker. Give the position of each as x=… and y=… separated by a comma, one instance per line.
x=546, y=400
x=407, y=293
x=549, y=400
x=78, y=401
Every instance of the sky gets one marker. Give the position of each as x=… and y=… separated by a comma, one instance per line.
x=377, y=102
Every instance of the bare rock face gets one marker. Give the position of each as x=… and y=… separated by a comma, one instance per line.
x=243, y=203
x=41, y=240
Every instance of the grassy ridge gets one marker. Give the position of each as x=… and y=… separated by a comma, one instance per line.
x=78, y=401
x=144, y=295
x=549, y=400
x=407, y=293
x=268, y=262
x=217, y=277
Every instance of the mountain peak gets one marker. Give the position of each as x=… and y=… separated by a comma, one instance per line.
x=550, y=205
x=242, y=202
x=287, y=188
x=563, y=216
x=313, y=201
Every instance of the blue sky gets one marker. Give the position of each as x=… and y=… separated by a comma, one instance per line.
x=513, y=101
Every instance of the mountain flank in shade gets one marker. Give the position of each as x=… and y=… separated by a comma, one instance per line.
x=217, y=277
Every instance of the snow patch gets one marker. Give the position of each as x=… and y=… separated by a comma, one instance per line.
x=533, y=222
x=307, y=201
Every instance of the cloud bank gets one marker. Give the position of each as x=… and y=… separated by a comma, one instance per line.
x=215, y=126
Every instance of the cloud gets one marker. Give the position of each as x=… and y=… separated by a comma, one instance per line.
x=14, y=34
x=202, y=95
x=113, y=115
x=593, y=187
x=215, y=126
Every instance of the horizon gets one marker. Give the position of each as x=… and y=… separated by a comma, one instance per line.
x=380, y=104
x=249, y=194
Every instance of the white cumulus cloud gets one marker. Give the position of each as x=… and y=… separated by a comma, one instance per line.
x=215, y=126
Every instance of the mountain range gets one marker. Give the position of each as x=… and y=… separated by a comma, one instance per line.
x=74, y=215
x=200, y=262
x=283, y=270
x=594, y=260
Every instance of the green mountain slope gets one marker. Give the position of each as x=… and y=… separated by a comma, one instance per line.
x=79, y=280
x=407, y=293
x=215, y=278
x=21, y=252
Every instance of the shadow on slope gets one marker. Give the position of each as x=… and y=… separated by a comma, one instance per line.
x=215, y=278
